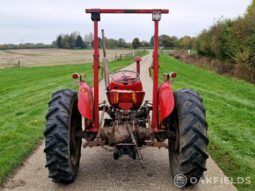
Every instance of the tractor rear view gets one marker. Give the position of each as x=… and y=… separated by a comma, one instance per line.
x=125, y=121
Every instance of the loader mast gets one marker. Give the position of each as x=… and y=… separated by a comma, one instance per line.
x=96, y=18
x=155, y=79
x=156, y=17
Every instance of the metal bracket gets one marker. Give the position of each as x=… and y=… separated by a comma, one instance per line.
x=95, y=17
x=83, y=123
x=156, y=16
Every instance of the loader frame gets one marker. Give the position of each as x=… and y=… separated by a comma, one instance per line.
x=96, y=17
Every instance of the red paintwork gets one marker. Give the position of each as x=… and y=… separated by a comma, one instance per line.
x=165, y=100
x=136, y=86
x=96, y=67
x=121, y=82
x=85, y=100
x=125, y=94
x=75, y=76
x=125, y=99
x=128, y=85
x=155, y=80
x=141, y=11
x=173, y=75
x=138, y=59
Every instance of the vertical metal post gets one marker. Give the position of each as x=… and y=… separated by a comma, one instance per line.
x=138, y=67
x=155, y=79
x=96, y=68
x=138, y=60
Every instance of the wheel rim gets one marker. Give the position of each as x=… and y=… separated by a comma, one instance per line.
x=174, y=148
x=74, y=141
x=74, y=146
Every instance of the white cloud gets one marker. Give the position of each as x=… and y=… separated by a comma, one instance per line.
x=42, y=21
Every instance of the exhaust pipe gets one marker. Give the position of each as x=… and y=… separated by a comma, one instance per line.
x=105, y=65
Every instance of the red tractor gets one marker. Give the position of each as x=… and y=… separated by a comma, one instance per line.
x=127, y=123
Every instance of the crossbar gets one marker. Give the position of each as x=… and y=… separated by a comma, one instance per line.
x=138, y=11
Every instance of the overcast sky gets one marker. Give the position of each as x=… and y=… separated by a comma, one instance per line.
x=42, y=20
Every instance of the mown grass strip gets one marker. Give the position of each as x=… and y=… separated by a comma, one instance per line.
x=230, y=105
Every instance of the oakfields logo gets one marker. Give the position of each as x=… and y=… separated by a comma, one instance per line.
x=180, y=180
x=225, y=180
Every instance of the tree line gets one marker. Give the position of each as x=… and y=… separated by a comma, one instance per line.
x=232, y=41
x=75, y=41
x=24, y=46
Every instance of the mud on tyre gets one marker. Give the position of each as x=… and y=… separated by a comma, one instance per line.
x=62, y=148
x=188, y=151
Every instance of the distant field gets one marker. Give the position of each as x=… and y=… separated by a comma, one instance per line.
x=49, y=57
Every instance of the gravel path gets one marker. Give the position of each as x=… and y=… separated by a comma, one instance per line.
x=99, y=171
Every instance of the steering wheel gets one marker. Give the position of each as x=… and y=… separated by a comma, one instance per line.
x=125, y=76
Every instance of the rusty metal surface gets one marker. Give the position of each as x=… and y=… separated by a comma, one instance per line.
x=119, y=134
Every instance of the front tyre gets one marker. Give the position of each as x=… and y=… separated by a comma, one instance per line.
x=188, y=151
x=62, y=147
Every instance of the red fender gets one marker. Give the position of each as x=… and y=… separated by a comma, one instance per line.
x=85, y=100
x=165, y=100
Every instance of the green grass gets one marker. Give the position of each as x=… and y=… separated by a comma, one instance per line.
x=24, y=94
x=230, y=105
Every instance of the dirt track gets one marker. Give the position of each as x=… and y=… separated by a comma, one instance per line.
x=98, y=170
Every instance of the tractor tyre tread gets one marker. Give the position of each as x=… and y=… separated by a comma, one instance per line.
x=56, y=136
x=193, y=140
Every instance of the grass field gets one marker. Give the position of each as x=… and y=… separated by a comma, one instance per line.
x=48, y=57
x=24, y=94
x=230, y=105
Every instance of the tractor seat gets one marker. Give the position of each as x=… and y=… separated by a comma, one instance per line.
x=126, y=80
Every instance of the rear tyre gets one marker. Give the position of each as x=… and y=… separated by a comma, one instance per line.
x=62, y=147
x=188, y=151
